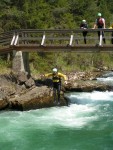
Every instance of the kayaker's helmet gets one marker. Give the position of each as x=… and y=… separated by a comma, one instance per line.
x=55, y=70
x=99, y=14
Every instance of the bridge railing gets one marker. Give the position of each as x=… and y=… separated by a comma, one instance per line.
x=60, y=37
x=5, y=38
x=27, y=37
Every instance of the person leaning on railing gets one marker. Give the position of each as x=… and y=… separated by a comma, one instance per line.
x=100, y=24
x=84, y=26
x=111, y=27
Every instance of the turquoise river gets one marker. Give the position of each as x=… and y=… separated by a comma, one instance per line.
x=87, y=124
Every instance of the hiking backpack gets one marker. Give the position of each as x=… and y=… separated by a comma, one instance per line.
x=100, y=22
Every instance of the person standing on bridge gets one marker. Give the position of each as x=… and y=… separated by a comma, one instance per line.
x=56, y=78
x=84, y=25
x=100, y=24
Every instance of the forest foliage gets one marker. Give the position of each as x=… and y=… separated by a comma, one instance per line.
x=52, y=14
x=56, y=14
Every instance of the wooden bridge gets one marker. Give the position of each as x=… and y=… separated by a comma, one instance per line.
x=21, y=42
x=55, y=40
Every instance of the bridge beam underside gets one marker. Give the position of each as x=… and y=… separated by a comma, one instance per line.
x=20, y=62
x=79, y=48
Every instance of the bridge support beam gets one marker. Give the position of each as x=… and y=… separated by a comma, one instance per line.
x=21, y=62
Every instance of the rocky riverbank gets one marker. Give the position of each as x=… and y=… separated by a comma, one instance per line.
x=23, y=92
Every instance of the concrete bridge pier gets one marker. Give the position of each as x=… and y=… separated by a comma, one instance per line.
x=20, y=62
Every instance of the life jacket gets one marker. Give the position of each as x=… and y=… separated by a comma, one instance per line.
x=100, y=22
x=56, y=78
x=84, y=25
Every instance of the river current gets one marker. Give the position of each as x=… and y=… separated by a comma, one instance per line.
x=87, y=124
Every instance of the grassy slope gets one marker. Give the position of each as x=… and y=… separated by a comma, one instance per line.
x=66, y=62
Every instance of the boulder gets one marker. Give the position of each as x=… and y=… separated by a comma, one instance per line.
x=3, y=104
x=75, y=76
x=86, y=86
x=38, y=97
x=29, y=83
x=24, y=93
x=3, y=100
x=21, y=77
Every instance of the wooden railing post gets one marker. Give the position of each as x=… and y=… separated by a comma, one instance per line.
x=43, y=39
x=71, y=40
x=13, y=39
x=100, y=41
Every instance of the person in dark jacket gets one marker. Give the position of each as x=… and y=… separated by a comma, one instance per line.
x=84, y=25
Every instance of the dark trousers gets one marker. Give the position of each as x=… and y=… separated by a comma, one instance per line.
x=56, y=91
x=84, y=35
x=102, y=36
